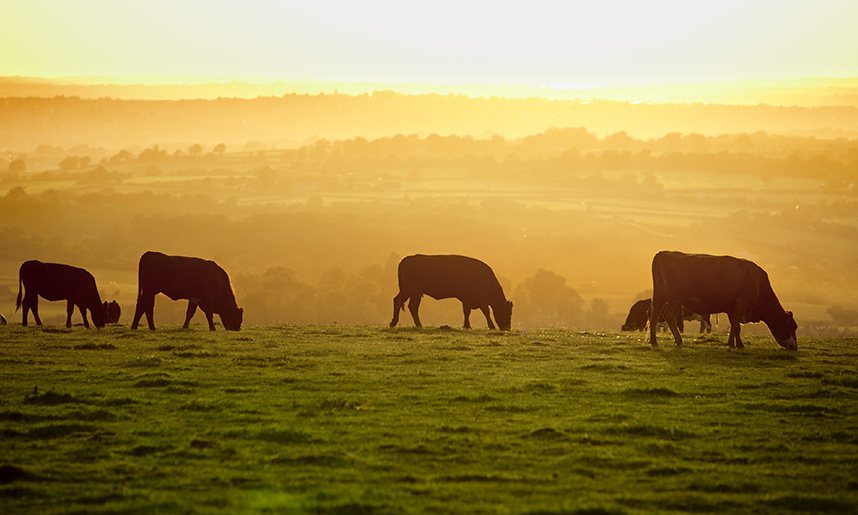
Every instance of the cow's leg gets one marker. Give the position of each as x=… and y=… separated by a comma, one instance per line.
x=83, y=314
x=27, y=304
x=654, y=312
x=485, y=310
x=680, y=322
x=413, y=307
x=150, y=314
x=192, y=308
x=735, y=327
x=467, y=312
x=69, y=312
x=705, y=325
x=398, y=305
x=672, y=314
x=34, y=306
x=138, y=312
x=145, y=305
x=210, y=318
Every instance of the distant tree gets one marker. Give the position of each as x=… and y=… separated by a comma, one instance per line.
x=598, y=308
x=17, y=192
x=548, y=301
x=219, y=149
x=153, y=154
x=195, y=150
x=843, y=316
x=18, y=165
x=70, y=163
x=619, y=140
x=122, y=155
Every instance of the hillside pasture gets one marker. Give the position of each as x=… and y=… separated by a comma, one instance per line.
x=363, y=419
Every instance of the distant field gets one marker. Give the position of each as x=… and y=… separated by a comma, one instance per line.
x=355, y=420
x=598, y=230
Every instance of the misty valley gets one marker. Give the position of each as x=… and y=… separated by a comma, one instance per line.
x=568, y=220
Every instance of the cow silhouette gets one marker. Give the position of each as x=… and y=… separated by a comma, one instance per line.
x=450, y=276
x=113, y=311
x=639, y=317
x=55, y=281
x=717, y=284
x=202, y=282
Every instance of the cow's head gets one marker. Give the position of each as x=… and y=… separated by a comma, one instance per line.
x=783, y=328
x=503, y=315
x=113, y=312
x=99, y=314
x=633, y=325
x=232, y=318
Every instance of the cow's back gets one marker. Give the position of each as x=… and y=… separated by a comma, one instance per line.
x=182, y=277
x=708, y=284
x=55, y=281
x=446, y=276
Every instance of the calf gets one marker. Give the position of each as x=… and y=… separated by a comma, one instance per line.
x=639, y=316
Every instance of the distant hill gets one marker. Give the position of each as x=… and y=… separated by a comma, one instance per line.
x=789, y=92
x=293, y=119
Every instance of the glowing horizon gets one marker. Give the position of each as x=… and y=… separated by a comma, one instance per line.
x=542, y=43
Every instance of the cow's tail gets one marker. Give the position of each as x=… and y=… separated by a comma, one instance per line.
x=18, y=300
x=659, y=296
x=140, y=279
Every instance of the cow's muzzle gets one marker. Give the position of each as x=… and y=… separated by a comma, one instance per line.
x=789, y=343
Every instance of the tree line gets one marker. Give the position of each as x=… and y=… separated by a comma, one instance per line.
x=550, y=153
x=293, y=119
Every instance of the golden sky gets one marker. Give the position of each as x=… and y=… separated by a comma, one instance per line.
x=574, y=42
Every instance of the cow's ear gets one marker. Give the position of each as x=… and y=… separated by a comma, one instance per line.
x=241, y=311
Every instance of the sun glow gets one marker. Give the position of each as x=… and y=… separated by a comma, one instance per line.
x=561, y=44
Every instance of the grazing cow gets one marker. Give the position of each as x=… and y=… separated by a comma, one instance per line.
x=53, y=281
x=639, y=316
x=202, y=282
x=113, y=311
x=717, y=284
x=448, y=276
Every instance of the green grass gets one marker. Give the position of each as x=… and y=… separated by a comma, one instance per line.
x=356, y=420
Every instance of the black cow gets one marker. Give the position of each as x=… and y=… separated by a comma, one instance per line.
x=53, y=281
x=449, y=276
x=639, y=316
x=113, y=311
x=717, y=284
x=202, y=282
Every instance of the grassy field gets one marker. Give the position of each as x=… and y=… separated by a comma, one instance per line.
x=356, y=420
